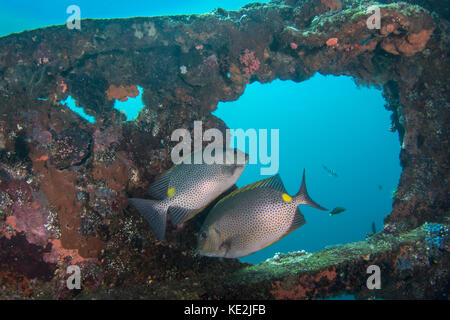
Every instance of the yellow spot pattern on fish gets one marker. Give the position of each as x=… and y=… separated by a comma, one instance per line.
x=170, y=192
x=286, y=197
x=260, y=220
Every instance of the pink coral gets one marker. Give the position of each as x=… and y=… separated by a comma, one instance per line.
x=30, y=219
x=332, y=42
x=43, y=60
x=58, y=253
x=63, y=86
x=211, y=61
x=250, y=62
x=104, y=139
x=294, y=46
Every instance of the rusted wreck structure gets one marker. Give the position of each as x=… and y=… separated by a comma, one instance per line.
x=64, y=182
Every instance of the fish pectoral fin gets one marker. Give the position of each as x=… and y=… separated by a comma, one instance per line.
x=234, y=240
x=179, y=215
x=226, y=245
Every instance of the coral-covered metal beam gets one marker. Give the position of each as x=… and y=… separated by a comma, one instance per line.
x=64, y=181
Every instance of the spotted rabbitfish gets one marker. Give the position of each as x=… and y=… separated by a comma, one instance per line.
x=252, y=218
x=187, y=188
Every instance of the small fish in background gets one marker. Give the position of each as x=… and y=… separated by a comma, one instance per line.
x=337, y=210
x=380, y=187
x=252, y=218
x=331, y=172
x=186, y=189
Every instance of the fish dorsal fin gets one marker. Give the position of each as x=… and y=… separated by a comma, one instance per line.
x=236, y=241
x=159, y=188
x=273, y=182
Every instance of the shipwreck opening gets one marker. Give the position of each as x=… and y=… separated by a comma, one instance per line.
x=128, y=106
x=340, y=134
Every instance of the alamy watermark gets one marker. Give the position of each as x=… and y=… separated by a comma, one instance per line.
x=74, y=280
x=258, y=145
x=74, y=20
x=374, y=21
x=374, y=281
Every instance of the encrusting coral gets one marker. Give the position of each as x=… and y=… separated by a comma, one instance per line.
x=64, y=182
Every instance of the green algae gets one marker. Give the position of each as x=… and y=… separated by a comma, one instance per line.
x=294, y=263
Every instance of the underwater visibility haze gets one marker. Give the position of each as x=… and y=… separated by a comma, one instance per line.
x=337, y=111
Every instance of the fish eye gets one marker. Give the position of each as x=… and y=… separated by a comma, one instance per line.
x=203, y=235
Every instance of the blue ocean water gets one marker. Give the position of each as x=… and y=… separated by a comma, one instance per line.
x=71, y=104
x=20, y=15
x=322, y=121
x=132, y=106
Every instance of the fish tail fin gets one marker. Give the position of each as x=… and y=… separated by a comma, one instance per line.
x=302, y=197
x=154, y=212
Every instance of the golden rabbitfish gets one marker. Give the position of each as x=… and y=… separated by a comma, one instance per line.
x=252, y=218
x=188, y=188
